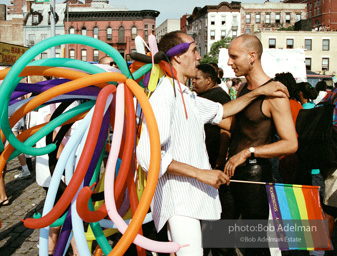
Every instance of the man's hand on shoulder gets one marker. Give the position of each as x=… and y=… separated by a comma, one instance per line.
x=273, y=89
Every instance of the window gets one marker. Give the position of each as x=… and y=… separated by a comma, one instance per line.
x=96, y=32
x=31, y=38
x=278, y=18
x=234, y=33
x=72, y=54
x=35, y=19
x=57, y=55
x=84, y=55
x=212, y=20
x=290, y=43
x=298, y=17
x=235, y=18
x=248, y=18
x=212, y=34
x=108, y=33
x=84, y=31
x=247, y=30
x=326, y=44
x=268, y=18
x=121, y=35
x=133, y=33
x=44, y=55
x=146, y=35
x=96, y=55
x=43, y=37
x=272, y=43
x=288, y=17
x=258, y=18
x=223, y=34
x=325, y=63
x=223, y=20
x=308, y=44
x=71, y=30
x=308, y=63
x=146, y=26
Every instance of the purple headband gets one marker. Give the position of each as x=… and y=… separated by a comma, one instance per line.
x=180, y=48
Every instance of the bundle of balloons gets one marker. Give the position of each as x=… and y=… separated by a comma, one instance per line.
x=106, y=202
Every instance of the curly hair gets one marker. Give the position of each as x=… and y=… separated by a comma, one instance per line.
x=289, y=81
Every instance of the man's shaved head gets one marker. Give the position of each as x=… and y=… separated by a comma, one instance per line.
x=250, y=43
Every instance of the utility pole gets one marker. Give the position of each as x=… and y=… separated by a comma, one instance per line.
x=67, y=48
x=52, y=25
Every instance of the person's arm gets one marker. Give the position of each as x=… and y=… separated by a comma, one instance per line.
x=224, y=145
x=273, y=89
x=214, y=178
x=279, y=110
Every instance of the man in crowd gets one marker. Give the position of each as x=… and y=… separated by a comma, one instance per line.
x=187, y=187
x=252, y=141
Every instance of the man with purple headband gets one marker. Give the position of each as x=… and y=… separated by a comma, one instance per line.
x=187, y=189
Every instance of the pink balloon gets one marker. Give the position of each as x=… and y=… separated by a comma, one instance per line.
x=148, y=244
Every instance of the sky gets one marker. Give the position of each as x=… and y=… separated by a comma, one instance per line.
x=169, y=9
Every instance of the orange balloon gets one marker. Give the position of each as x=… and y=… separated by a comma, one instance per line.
x=153, y=174
x=88, y=150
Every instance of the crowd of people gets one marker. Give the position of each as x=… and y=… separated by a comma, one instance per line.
x=221, y=130
x=256, y=142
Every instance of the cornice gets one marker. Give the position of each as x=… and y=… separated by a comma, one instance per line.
x=113, y=15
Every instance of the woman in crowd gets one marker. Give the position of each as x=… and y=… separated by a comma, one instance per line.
x=288, y=165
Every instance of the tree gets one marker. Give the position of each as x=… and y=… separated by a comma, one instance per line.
x=290, y=28
x=213, y=54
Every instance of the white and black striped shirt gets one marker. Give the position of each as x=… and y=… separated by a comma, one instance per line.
x=183, y=140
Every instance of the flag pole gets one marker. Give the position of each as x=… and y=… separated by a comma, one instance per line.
x=250, y=182
x=271, y=183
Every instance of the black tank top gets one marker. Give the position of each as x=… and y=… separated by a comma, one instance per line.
x=252, y=128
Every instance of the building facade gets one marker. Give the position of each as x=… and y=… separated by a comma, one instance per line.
x=11, y=31
x=116, y=27
x=17, y=7
x=184, y=22
x=37, y=26
x=323, y=13
x=269, y=16
x=213, y=23
x=320, y=47
x=167, y=26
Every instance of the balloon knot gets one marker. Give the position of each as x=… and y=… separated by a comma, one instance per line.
x=92, y=185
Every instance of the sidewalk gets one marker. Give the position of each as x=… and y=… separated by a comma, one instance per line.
x=26, y=198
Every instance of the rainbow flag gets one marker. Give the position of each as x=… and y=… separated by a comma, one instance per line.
x=298, y=217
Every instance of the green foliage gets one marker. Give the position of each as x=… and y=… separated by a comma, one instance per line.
x=290, y=28
x=213, y=54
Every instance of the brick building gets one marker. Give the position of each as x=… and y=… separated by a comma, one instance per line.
x=16, y=7
x=269, y=16
x=116, y=27
x=323, y=13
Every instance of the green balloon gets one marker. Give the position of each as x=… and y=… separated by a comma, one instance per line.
x=53, y=124
x=12, y=79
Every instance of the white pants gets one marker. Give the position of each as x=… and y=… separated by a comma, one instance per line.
x=186, y=230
